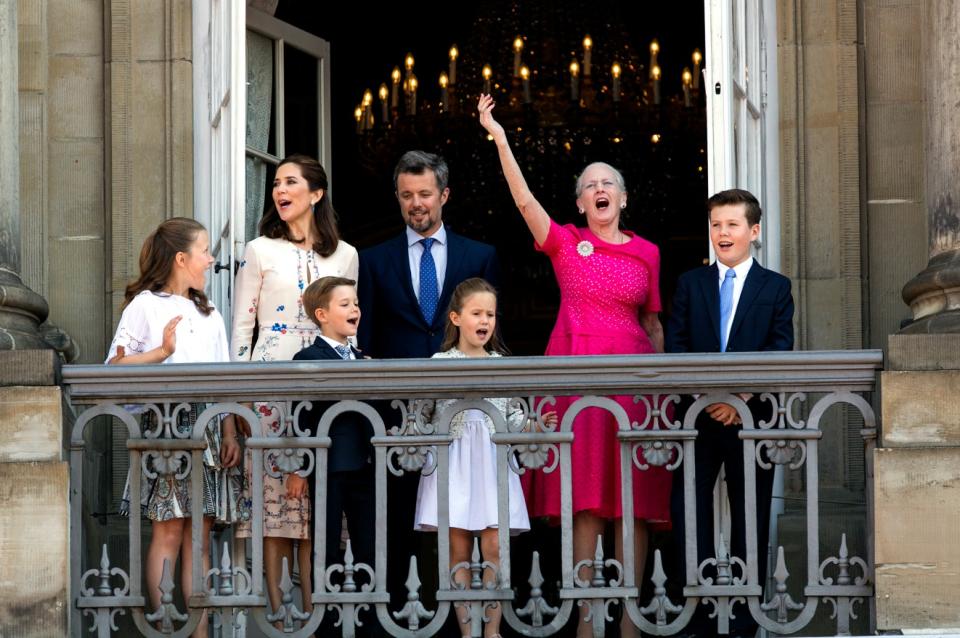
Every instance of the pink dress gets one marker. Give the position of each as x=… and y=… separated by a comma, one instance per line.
x=603, y=290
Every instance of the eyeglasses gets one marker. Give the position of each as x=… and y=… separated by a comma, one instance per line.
x=606, y=184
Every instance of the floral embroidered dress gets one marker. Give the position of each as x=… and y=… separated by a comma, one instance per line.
x=268, y=294
x=200, y=339
x=603, y=290
x=473, y=474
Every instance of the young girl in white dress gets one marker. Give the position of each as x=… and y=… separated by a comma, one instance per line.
x=473, y=479
x=167, y=318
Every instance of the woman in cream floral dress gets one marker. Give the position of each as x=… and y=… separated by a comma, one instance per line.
x=298, y=243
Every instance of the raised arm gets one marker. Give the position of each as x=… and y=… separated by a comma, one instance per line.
x=538, y=221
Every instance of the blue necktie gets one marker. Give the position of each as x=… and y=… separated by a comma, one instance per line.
x=429, y=293
x=343, y=351
x=726, y=306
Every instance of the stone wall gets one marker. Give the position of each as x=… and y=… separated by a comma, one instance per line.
x=895, y=217
x=34, y=488
x=918, y=485
x=106, y=149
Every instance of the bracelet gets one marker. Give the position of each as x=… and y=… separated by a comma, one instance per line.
x=164, y=352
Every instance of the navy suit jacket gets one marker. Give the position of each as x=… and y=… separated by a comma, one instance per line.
x=393, y=326
x=763, y=321
x=350, y=432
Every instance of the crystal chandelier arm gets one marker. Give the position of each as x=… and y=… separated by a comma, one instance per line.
x=537, y=219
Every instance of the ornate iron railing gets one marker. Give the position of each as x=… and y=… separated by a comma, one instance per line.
x=800, y=387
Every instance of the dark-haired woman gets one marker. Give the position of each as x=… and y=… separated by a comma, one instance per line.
x=298, y=243
x=168, y=319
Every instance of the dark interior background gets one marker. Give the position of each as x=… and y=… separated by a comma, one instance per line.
x=553, y=139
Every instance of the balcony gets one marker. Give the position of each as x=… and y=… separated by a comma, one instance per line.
x=810, y=394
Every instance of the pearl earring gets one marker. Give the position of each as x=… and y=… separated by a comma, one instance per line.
x=581, y=211
x=623, y=205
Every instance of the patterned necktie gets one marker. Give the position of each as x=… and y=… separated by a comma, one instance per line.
x=429, y=293
x=343, y=351
x=726, y=306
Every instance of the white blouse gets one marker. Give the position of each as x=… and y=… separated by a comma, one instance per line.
x=268, y=294
x=200, y=338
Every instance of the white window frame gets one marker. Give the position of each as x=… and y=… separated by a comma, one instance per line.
x=219, y=118
x=219, y=86
x=743, y=145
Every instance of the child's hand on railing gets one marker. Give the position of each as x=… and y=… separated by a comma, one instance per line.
x=296, y=486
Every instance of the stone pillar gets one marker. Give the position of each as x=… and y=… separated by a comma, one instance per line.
x=917, y=464
x=21, y=310
x=35, y=498
x=934, y=294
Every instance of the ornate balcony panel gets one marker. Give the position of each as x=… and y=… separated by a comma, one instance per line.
x=410, y=437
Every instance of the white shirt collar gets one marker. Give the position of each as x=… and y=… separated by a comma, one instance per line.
x=741, y=269
x=333, y=343
x=414, y=237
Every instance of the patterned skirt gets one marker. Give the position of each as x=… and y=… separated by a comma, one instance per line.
x=166, y=497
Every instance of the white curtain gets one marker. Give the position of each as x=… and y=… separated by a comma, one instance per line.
x=259, y=115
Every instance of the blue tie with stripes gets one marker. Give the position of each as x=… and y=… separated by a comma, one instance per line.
x=429, y=292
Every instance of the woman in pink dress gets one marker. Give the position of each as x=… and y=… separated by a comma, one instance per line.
x=609, y=304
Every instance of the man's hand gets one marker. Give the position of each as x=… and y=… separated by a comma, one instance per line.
x=724, y=413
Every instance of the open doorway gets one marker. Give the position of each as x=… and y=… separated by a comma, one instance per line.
x=653, y=130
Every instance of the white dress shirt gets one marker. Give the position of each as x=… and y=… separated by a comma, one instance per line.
x=415, y=252
x=741, y=269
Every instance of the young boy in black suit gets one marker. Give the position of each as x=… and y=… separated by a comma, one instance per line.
x=732, y=305
x=332, y=303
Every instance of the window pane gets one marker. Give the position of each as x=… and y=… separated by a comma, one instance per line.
x=301, y=102
x=259, y=125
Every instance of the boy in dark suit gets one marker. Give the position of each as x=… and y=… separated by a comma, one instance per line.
x=332, y=303
x=732, y=305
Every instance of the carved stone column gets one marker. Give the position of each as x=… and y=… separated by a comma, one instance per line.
x=934, y=294
x=21, y=310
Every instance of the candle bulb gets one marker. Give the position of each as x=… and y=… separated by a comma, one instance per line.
x=412, y=84
x=517, y=50
x=395, y=76
x=385, y=114
x=358, y=116
x=367, y=105
x=453, y=64
x=443, y=92
x=697, y=58
x=687, y=79
x=654, y=50
x=574, y=81
x=408, y=64
x=615, y=72
x=655, y=73
x=525, y=75
x=587, y=49
x=487, y=74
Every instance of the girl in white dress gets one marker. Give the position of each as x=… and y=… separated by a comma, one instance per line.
x=168, y=319
x=298, y=243
x=471, y=332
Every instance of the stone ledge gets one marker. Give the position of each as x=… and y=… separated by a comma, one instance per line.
x=924, y=352
x=31, y=424
x=919, y=408
x=29, y=367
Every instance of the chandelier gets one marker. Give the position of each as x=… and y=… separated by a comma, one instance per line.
x=534, y=82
